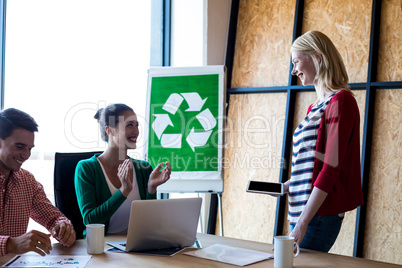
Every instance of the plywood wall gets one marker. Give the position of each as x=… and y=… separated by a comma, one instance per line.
x=254, y=143
x=383, y=221
x=262, y=59
x=263, y=40
x=390, y=49
x=347, y=24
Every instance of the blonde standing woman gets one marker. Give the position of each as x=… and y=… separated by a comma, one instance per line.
x=325, y=179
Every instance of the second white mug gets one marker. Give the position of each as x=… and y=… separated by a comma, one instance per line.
x=95, y=238
x=284, y=251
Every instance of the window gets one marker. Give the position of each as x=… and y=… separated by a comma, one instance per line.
x=187, y=35
x=64, y=60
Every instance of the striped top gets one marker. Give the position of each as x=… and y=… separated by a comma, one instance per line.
x=304, y=148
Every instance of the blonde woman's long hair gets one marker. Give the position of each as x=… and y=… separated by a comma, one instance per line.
x=331, y=75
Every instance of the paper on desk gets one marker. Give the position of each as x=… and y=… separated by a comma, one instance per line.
x=232, y=255
x=69, y=261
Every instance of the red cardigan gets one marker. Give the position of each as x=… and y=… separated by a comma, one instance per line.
x=337, y=163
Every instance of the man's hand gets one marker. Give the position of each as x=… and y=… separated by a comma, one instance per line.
x=64, y=233
x=32, y=241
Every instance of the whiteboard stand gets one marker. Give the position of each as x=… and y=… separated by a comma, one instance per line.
x=165, y=195
x=201, y=225
x=176, y=97
x=220, y=213
x=219, y=197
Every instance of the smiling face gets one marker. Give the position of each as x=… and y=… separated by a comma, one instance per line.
x=126, y=132
x=15, y=150
x=303, y=67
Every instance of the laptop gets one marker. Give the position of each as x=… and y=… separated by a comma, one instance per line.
x=161, y=224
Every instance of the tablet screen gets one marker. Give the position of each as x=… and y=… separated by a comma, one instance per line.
x=265, y=186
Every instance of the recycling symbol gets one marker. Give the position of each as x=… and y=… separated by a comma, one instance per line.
x=194, y=139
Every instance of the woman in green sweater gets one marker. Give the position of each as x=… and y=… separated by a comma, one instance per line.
x=107, y=183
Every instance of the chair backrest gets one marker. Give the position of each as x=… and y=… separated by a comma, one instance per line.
x=64, y=190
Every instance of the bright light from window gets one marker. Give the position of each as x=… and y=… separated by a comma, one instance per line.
x=187, y=35
x=64, y=60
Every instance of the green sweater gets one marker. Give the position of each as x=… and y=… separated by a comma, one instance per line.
x=96, y=203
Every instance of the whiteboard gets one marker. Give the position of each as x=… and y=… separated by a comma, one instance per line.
x=185, y=113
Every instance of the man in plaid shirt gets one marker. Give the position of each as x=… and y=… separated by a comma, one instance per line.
x=21, y=196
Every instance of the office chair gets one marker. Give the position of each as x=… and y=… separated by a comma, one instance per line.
x=64, y=190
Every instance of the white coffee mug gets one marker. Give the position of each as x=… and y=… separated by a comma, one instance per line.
x=95, y=238
x=284, y=251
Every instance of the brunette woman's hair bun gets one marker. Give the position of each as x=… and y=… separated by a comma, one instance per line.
x=98, y=114
x=109, y=116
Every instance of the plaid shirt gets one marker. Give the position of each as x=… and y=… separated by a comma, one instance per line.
x=24, y=197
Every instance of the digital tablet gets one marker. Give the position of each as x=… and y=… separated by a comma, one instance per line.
x=265, y=187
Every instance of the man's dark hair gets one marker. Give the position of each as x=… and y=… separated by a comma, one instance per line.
x=12, y=118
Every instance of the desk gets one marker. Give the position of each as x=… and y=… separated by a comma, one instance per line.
x=306, y=258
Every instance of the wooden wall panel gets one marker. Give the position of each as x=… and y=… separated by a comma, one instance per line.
x=383, y=220
x=390, y=49
x=263, y=40
x=262, y=59
x=347, y=24
x=253, y=152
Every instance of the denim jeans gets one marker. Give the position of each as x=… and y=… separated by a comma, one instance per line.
x=322, y=232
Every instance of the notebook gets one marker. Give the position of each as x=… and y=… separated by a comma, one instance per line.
x=161, y=224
